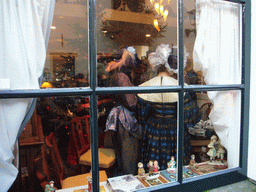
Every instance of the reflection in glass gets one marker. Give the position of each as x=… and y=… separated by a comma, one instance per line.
x=159, y=121
x=124, y=133
x=143, y=26
x=67, y=53
x=215, y=136
x=208, y=61
x=57, y=113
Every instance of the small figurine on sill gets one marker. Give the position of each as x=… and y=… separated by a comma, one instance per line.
x=52, y=188
x=192, y=163
x=150, y=168
x=89, y=179
x=156, y=166
x=141, y=170
x=171, y=165
x=221, y=151
x=213, y=148
x=47, y=188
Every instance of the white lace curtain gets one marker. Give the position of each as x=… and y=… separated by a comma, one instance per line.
x=217, y=53
x=24, y=34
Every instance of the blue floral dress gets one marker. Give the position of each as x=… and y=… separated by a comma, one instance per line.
x=159, y=121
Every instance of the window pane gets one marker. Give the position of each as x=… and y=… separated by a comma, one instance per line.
x=214, y=134
x=141, y=134
x=67, y=53
x=213, y=42
x=65, y=127
x=127, y=32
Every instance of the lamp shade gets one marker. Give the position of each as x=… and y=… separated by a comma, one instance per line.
x=46, y=85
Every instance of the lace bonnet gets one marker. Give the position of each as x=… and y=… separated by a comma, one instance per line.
x=160, y=57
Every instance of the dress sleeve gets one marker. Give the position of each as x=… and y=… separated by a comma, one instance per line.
x=129, y=101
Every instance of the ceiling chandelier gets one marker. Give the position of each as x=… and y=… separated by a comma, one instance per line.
x=160, y=10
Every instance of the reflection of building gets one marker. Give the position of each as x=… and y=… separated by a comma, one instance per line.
x=63, y=67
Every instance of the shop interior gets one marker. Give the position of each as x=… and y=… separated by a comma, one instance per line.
x=55, y=144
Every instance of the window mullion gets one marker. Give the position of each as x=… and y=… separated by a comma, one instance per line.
x=245, y=93
x=93, y=96
x=180, y=141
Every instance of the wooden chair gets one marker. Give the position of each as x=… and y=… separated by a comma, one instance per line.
x=81, y=136
x=60, y=176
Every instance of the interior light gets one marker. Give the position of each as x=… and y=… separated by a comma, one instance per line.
x=165, y=14
x=157, y=7
x=156, y=24
x=148, y=35
x=46, y=85
x=161, y=9
x=53, y=27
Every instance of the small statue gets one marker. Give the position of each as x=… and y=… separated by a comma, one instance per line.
x=156, y=167
x=47, y=188
x=171, y=165
x=52, y=188
x=151, y=168
x=213, y=148
x=220, y=151
x=141, y=170
x=192, y=163
x=89, y=179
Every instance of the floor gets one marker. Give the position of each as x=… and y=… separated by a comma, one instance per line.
x=243, y=186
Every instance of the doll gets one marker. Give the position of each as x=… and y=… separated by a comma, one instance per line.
x=220, y=151
x=213, y=148
x=192, y=163
x=156, y=167
x=141, y=170
x=171, y=165
x=47, y=188
x=151, y=168
x=51, y=187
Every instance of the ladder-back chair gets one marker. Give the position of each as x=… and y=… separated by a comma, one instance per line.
x=81, y=136
x=60, y=174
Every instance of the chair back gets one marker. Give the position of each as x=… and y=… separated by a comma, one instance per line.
x=81, y=134
x=56, y=161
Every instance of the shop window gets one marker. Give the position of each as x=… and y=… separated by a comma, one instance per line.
x=149, y=91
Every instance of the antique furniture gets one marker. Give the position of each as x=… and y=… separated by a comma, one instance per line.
x=59, y=171
x=30, y=143
x=81, y=137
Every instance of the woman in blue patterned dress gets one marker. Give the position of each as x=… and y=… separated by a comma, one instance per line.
x=158, y=112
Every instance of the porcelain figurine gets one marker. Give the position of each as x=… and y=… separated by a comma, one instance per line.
x=171, y=165
x=192, y=163
x=141, y=170
x=47, y=188
x=156, y=166
x=52, y=188
x=150, y=168
x=220, y=151
x=212, y=153
x=89, y=179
